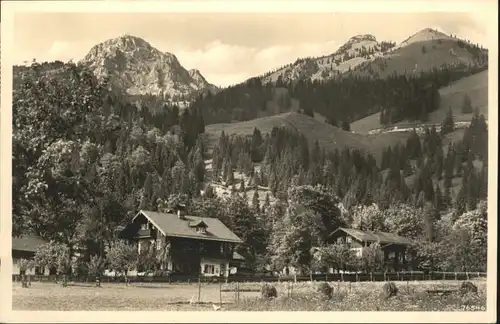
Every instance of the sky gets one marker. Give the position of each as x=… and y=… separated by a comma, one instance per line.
x=227, y=48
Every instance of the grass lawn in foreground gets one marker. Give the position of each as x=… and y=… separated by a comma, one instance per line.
x=117, y=296
x=357, y=296
x=365, y=296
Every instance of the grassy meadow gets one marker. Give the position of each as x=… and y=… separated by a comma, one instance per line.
x=301, y=296
x=475, y=86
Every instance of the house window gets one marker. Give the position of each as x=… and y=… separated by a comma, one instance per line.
x=201, y=230
x=222, y=248
x=348, y=240
x=209, y=269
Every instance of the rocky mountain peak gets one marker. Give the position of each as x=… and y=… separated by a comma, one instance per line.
x=129, y=42
x=357, y=42
x=362, y=37
x=136, y=66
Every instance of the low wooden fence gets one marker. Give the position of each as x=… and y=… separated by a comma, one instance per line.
x=348, y=277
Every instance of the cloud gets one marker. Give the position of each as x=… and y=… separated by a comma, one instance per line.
x=55, y=50
x=225, y=64
x=247, y=45
x=58, y=49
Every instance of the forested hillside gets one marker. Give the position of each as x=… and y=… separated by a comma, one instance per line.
x=341, y=101
x=86, y=159
x=462, y=96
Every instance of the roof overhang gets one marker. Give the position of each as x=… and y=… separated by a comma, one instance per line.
x=341, y=229
x=394, y=243
x=152, y=221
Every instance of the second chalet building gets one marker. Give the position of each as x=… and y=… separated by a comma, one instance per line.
x=393, y=246
x=198, y=245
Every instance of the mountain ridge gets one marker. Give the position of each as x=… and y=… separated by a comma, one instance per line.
x=365, y=51
x=350, y=54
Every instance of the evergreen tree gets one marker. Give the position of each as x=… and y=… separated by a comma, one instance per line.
x=461, y=202
x=448, y=123
x=242, y=184
x=346, y=126
x=472, y=190
x=438, y=163
x=230, y=176
x=257, y=141
x=467, y=105
x=209, y=193
x=458, y=167
x=438, y=198
x=256, y=202
x=447, y=202
x=449, y=165
x=267, y=204
x=263, y=178
x=413, y=146
x=483, y=183
x=147, y=193
x=420, y=202
x=430, y=214
x=274, y=183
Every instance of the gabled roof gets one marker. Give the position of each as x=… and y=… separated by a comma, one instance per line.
x=27, y=243
x=198, y=223
x=171, y=225
x=381, y=237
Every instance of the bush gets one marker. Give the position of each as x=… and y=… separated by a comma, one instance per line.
x=268, y=291
x=468, y=287
x=389, y=290
x=325, y=290
x=162, y=273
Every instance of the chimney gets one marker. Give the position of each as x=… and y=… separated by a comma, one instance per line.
x=181, y=211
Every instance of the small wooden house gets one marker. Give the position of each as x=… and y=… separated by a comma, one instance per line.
x=393, y=246
x=24, y=247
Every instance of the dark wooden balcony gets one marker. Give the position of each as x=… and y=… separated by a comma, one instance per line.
x=145, y=233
